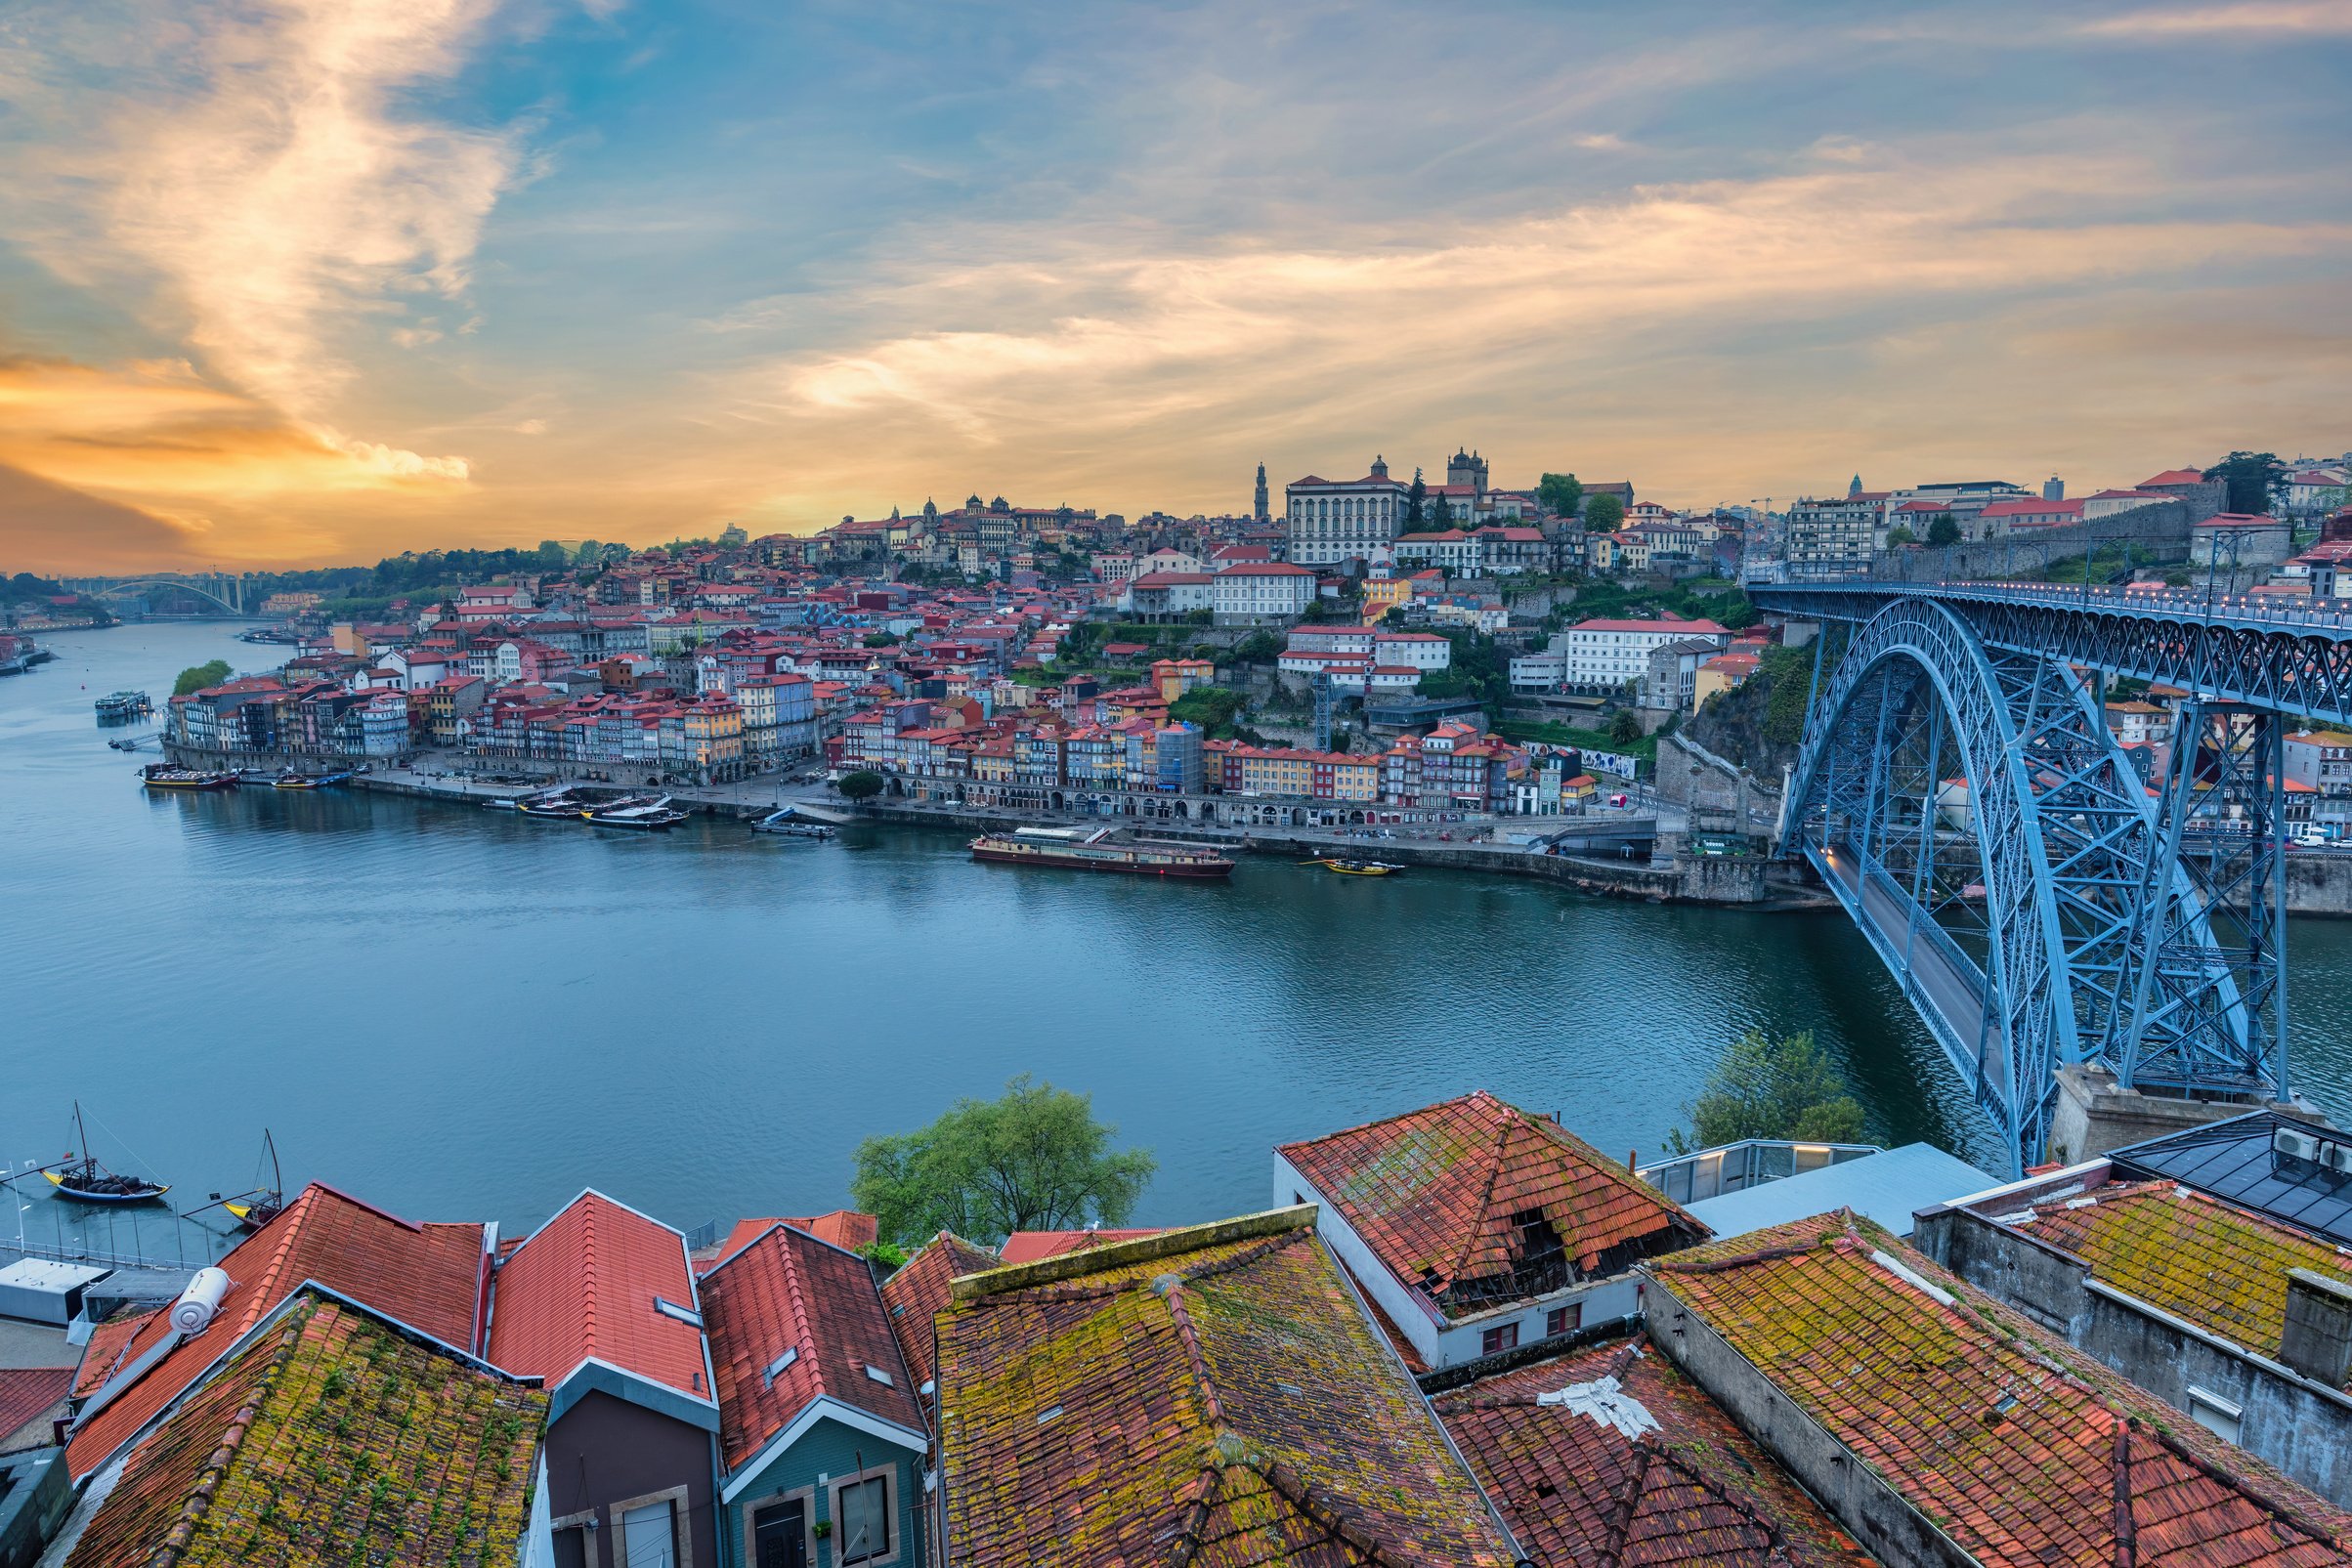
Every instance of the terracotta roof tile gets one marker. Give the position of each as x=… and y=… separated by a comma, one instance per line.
x=429, y=1277
x=107, y=1349
x=787, y=1292
x=919, y=1292
x=844, y=1228
x=2024, y=1451
x=27, y=1393
x=2219, y=1266
x=1439, y=1194
x=584, y=1285
x=1688, y=1486
x=1224, y=1403
x=1028, y=1246
x=270, y=1461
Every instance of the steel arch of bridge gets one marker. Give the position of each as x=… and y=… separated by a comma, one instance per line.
x=2081, y=958
x=128, y=585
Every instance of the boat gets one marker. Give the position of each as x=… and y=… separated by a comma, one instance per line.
x=1355, y=867
x=557, y=803
x=171, y=776
x=1101, y=849
x=290, y=780
x=269, y=634
x=261, y=1205
x=121, y=743
x=657, y=813
x=87, y=1181
x=121, y=707
x=788, y=823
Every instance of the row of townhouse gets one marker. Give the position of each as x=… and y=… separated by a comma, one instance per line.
x=1488, y=552
x=697, y=740
x=263, y=714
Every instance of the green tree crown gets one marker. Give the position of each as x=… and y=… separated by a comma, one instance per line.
x=1035, y=1159
x=1768, y=1089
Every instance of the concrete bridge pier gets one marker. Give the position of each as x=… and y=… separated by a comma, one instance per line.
x=2096, y=1114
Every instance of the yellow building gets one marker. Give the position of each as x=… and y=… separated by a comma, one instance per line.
x=1384, y=594
x=1176, y=676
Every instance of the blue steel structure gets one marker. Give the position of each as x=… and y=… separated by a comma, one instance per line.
x=2039, y=900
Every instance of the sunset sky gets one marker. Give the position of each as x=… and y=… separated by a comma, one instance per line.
x=307, y=281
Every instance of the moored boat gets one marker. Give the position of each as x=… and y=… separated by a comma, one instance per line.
x=87, y=1181
x=1346, y=866
x=171, y=776
x=121, y=707
x=637, y=812
x=290, y=780
x=558, y=803
x=1101, y=849
x=788, y=823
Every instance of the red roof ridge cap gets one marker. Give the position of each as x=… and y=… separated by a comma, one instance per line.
x=374, y=1208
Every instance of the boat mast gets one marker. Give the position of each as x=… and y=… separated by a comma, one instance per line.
x=277, y=1181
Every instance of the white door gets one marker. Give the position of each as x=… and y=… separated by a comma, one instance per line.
x=649, y=1538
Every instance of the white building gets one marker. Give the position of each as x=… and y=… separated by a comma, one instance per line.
x=1263, y=590
x=1419, y=650
x=1603, y=655
x=1332, y=521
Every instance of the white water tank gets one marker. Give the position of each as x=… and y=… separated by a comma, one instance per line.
x=201, y=1301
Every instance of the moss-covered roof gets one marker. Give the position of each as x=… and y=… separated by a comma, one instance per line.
x=2196, y=1258
x=2023, y=1450
x=1226, y=1404
x=332, y=1438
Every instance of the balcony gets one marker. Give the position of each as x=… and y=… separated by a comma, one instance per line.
x=1751, y=1162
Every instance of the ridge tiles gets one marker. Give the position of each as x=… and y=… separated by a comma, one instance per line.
x=583, y=1286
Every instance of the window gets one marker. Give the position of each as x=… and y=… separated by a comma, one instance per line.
x=1564, y=1320
x=572, y=1547
x=1493, y=1342
x=2215, y=1414
x=862, y=1518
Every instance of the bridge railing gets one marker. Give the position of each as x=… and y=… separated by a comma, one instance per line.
x=2284, y=611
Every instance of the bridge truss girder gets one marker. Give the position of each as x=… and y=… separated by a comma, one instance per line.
x=2053, y=937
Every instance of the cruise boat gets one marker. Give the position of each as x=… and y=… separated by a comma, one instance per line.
x=636, y=813
x=171, y=776
x=1101, y=849
x=121, y=707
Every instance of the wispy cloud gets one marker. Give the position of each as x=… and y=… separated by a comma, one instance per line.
x=2252, y=16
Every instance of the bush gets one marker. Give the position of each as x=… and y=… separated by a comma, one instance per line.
x=863, y=785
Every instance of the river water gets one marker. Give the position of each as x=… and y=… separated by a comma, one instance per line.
x=464, y=1014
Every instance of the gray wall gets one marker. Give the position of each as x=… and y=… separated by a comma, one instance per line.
x=2300, y=1427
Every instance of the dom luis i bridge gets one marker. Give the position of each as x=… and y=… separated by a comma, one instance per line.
x=2043, y=904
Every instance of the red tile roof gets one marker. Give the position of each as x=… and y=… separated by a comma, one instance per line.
x=1666, y=1477
x=584, y=1285
x=786, y=1292
x=105, y=1353
x=1219, y=1402
x=2024, y=1451
x=845, y=1228
x=429, y=1277
x=1028, y=1246
x=264, y=1463
x=2174, y=476
x=919, y=1291
x=1439, y=1194
x=27, y=1393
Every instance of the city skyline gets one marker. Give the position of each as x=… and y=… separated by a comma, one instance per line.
x=319, y=283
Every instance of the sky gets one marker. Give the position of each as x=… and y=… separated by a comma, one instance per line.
x=317, y=282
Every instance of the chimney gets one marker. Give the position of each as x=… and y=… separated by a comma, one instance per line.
x=2318, y=1342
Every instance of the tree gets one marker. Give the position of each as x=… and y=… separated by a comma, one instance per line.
x=863, y=785
x=881, y=639
x=1943, y=531
x=1033, y=1160
x=1896, y=537
x=1604, y=514
x=1766, y=1088
x=2250, y=480
x=592, y=554
x=1258, y=648
x=1625, y=728
x=1560, y=493
x=1213, y=708
x=1416, y=503
x=198, y=676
